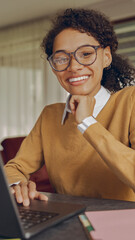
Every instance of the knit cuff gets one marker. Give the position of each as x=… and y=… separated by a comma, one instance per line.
x=86, y=123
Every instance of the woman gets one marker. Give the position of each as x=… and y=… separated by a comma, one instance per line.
x=88, y=145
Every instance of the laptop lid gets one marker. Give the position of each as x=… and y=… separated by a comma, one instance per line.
x=10, y=222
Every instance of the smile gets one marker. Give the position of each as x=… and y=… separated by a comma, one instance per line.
x=77, y=79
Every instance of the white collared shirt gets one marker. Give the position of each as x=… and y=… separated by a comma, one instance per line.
x=101, y=98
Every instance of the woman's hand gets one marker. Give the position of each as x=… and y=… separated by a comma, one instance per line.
x=25, y=191
x=82, y=106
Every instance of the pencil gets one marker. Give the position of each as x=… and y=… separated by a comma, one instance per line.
x=86, y=225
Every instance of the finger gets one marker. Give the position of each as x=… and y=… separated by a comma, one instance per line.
x=41, y=196
x=18, y=194
x=72, y=106
x=12, y=190
x=35, y=194
x=32, y=189
x=25, y=196
x=73, y=103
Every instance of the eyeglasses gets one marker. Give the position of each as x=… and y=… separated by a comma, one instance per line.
x=85, y=55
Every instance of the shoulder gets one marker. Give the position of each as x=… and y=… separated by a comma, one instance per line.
x=50, y=114
x=56, y=109
x=127, y=92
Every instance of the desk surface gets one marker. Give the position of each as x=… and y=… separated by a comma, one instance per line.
x=72, y=228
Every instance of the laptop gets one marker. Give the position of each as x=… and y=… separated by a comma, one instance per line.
x=17, y=221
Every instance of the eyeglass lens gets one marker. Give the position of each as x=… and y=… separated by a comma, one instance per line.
x=84, y=55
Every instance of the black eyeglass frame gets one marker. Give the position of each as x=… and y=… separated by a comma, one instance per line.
x=74, y=55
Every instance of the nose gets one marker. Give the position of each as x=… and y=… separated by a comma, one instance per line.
x=74, y=65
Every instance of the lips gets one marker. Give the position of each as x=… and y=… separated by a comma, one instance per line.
x=77, y=79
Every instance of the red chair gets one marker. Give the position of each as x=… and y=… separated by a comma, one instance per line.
x=10, y=148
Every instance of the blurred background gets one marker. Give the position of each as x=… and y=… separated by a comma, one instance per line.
x=27, y=83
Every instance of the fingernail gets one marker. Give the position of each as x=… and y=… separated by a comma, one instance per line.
x=12, y=191
x=26, y=202
x=46, y=198
x=32, y=194
x=20, y=199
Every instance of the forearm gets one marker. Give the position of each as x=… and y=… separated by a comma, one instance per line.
x=14, y=175
x=118, y=157
x=28, y=160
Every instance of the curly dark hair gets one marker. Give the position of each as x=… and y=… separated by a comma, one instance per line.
x=121, y=73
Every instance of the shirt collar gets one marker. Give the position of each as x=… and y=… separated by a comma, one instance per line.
x=101, y=97
x=66, y=109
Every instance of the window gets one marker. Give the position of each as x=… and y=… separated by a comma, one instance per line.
x=27, y=83
x=125, y=31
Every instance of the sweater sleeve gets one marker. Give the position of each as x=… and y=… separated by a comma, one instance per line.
x=29, y=157
x=118, y=157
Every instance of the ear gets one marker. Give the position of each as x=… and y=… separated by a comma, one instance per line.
x=107, y=57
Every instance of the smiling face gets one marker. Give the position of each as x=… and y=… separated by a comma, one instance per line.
x=78, y=79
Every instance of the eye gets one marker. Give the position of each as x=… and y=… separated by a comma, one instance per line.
x=60, y=60
x=86, y=54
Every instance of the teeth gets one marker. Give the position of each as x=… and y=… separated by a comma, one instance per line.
x=78, y=79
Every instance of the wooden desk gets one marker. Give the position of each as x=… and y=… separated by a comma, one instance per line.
x=72, y=228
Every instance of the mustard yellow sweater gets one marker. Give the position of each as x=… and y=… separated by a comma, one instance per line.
x=99, y=164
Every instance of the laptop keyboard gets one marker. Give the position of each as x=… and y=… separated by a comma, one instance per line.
x=30, y=218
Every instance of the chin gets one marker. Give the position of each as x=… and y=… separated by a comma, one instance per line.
x=80, y=92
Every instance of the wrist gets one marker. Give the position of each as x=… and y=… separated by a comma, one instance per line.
x=86, y=123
